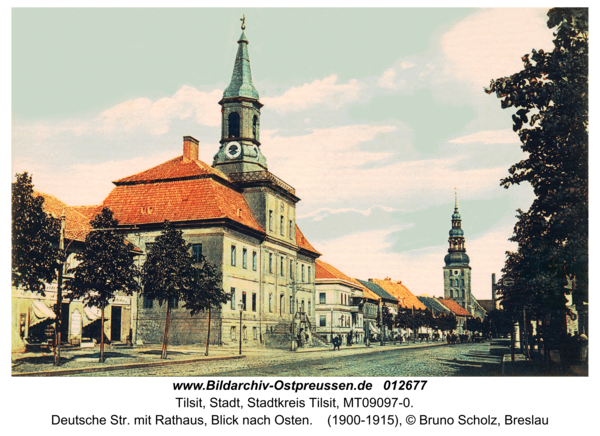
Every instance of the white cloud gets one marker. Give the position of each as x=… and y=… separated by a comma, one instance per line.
x=135, y=116
x=319, y=214
x=490, y=43
x=345, y=165
x=489, y=137
x=156, y=117
x=319, y=92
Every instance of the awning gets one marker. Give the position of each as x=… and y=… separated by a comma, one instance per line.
x=91, y=314
x=40, y=312
x=374, y=329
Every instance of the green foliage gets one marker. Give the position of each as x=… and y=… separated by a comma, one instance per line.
x=207, y=291
x=550, y=96
x=474, y=325
x=387, y=317
x=35, y=235
x=170, y=273
x=446, y=322
x=106, y=264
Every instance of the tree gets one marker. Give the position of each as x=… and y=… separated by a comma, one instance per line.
x=35, y=235
x=107, y=266
x=206, y=293
x=550, y=96
x=37, y=252
x=168, y=275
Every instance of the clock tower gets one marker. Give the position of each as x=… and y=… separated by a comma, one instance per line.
x=457, y=272
x=240, y=119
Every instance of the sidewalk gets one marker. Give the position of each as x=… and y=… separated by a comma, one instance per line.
x=536, y=367
x=85, y=360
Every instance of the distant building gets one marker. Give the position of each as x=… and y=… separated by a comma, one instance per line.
x=460, y=313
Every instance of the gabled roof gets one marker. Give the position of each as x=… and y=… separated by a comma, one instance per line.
x=303, y=243
x=325, y=271
x=405, y=298
x=455, y=307
x=176, y=201
x=77, y=225
x=433, y=304
x=378, y=290
x=487, y=305
x=175, y=169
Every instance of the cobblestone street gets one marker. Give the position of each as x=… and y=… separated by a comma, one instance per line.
x=455, y=360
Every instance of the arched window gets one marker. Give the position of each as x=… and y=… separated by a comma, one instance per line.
x=463, y=282
x=234, y=125
x=255, y=127
x=463, y=293
x=451, y=282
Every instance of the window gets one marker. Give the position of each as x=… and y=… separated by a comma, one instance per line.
x=232, y=302
x=451, y=282
x=270, y=263
x=244, y=300
x=281, y=304
x=281, y=229
x=253, y=302
x=232, y=333
x=254, y=260
x=309, y=312
x=463, y=282
x=322, y=298
x=197, y=252
x=291, y=230
x=233, y=255
x=270, y=220
x=309, y=275
x=148, y=302
x=234, y=125
x=270, y=303
x=281, y=266
x=173, y=302
x=291, y=305
x=245, y=330
x=302, y=306
x=255, y=127
x=254, y=333
x=302, y=269
x=291, y=269
x=462, y=273
x=244, y=258
x=322, y=321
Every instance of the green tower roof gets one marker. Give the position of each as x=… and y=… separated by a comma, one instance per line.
x=241, y=79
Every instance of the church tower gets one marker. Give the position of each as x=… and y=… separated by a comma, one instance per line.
x=457, y=272
x=240, y=119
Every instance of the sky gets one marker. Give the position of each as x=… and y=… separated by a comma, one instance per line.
x=374, y=116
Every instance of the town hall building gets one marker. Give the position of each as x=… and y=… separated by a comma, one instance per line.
x=235, y=213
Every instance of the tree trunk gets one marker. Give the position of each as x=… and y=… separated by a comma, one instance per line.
x=57, y=323
x=102, y=335
x=166, y=336
x=208, y=334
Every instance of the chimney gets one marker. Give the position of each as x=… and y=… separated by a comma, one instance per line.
x=399, y=282
x=190, y=148
x=388, y=279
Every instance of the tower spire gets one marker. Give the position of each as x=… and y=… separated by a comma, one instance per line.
x=455, y=199
x=241, y=80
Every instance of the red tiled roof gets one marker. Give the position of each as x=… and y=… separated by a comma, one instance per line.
x=183, y=200
x=77, y=225
x=89, y=212
x=455, y=307
x=177, y=168
x=323, y=270
x=405, y=298
x=302, y=242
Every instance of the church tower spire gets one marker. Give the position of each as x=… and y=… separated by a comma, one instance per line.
x=240, y=121
x=457, y=272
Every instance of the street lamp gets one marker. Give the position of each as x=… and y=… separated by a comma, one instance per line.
x=241, y=308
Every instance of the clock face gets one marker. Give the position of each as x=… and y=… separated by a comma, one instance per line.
x=233, y=150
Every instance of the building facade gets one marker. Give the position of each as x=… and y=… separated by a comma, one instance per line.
x=237, y=215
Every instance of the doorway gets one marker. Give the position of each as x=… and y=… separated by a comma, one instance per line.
x=115, y=324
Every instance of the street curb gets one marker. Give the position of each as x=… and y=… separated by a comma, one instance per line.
x=409, y=347
x=89, y=369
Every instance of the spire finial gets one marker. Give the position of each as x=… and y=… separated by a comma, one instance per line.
x=243, y=20
x=455, y=199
